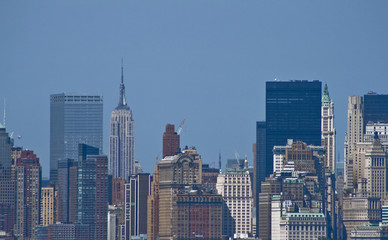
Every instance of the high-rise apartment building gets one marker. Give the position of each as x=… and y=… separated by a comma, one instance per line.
x=235, y=187
x=74, y=119
x=28, y=180
x=122, y=138
x=92, y=191
x=327, y=129
x=170, y=141
x=136, y=193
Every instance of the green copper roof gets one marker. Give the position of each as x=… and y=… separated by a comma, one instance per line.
x=1, y=126
x=325, y=96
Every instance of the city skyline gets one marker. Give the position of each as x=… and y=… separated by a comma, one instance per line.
x=240, y=47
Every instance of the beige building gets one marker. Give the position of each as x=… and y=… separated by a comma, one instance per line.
x=358, y=211
x=47, y=205
x=354, y=135
x=171, y=175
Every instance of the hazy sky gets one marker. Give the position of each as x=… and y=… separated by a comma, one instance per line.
x=204, y=60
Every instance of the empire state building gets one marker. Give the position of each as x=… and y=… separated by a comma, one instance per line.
x=122, y=139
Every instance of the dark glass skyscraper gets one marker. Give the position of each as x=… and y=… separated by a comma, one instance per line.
x=74, y=119
x=293, y=111
x=93, y=191
x=375, y=108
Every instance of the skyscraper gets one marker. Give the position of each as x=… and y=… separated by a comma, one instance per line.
x=354, y=135
x=28, y=179
x=327, y=128
x=293, y=111
x=92, y=191
x=122, y=138
x=170, y=141
x=7, y=184
x=74, y=119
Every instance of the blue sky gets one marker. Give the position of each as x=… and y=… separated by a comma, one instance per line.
x=204, y=60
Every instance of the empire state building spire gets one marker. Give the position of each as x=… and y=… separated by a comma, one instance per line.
x=122, y=102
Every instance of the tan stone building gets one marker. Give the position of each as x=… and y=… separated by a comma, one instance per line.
x=48, y=205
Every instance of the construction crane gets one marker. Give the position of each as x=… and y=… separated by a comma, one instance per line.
x=181, y=126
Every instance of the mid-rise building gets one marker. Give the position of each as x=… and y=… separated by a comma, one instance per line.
x=370, y=231
x=74, y=119
x=63, y=232
x=122, y=138
x=28, y=180
x=308, y=226
x=235, y=187
x=359, y=211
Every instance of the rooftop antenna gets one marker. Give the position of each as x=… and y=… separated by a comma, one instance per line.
x=4, y=120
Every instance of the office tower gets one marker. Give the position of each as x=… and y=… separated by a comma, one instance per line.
x=136, y=193
x=369, y=231
x=235, y=187
x=358, y=211
x=293, y=111
x=74, y=119
x=354, y=135
x=63, y=232
x=67, y=187
x=48, y=205
x=116, y=222
x=92, y=191
x=375, y=108
x=122, y=138
x=260, y=166
x=327, y=129
x=7, y=184
x=198, y=215
x=170, y=141
x=28, y=178
x=171, y=175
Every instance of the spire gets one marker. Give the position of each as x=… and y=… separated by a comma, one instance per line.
x=122, y=102
x=5, y=118
x=325, y=96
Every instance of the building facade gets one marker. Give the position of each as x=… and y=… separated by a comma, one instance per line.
x=122, y=138
x=48, y=205
x=74, y=119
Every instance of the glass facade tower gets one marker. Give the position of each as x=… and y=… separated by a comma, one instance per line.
x=74, y=119
x=293, y=111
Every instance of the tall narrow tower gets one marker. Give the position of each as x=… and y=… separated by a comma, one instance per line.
x=327, y=128
x=122, y=139
x=354, y=135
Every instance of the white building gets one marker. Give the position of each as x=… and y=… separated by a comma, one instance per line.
x=327, y=128
x=235, y=187
x=122, y=139
x=307, y=226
